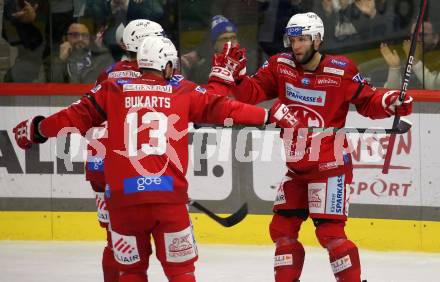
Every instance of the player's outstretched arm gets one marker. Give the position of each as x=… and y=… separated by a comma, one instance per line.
x=211, y=108
x=372, y=102
x=81, y=115
x=382, y=103
x=27, y=133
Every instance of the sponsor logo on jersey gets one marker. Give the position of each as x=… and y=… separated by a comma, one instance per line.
x=327, y=80
x=286, y=61
x=96, y=88
x=122, y=81
x=281, y=260
x=148, y=184
x=287, y=55
x=315, y=196
x=333, y=71
x=124, y=74
x=180, y=246
x=175, y=80
x=125, y=248
x=359, y=78
x=341, y=264
x=280, y=198
x=147, y=87
x=327, y=166
x=335, y=195
x=147, y=102
x=200, y=89
x=305, y=96
x=95, y=164
x=285, y=71
x=305, y=81
x=101, y=207
x=338, y=63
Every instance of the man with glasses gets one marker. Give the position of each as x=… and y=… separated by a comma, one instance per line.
x=79, y=60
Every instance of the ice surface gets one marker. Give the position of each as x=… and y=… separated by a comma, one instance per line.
x=80, y=261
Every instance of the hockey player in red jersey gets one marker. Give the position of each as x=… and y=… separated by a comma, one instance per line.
x=126, y=68
x=318, y=89
x=147, y=155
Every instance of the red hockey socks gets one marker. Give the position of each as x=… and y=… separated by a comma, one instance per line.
x=186, y=277
x=133, y=277
x=289, y=260
x=344, y=260
x=109, y=266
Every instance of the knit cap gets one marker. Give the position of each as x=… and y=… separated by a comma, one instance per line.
x=220, y=25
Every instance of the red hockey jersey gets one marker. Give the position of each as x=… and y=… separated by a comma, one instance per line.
x=147, y=146
x=319, y=98
x=95, y=160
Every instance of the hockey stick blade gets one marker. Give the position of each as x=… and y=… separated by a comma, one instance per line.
x=403, y=126
x=228, y=221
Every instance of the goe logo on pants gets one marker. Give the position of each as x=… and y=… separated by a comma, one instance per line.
x=146, y=181
x=148, y=184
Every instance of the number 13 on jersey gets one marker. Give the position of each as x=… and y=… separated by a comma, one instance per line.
x=158, y=133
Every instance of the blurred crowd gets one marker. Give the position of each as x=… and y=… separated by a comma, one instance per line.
x=73, y=40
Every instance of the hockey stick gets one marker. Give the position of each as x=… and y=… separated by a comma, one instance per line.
x=404, y=87
x=402, y=126
x=228, y=221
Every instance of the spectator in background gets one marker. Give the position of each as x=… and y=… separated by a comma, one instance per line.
x=61, y=16
x=427, y=76
x=20, y=31
x=196, y=65
x=109, y=14
x=361, y=22
x=79, y=60
x=275, y=17
x=327, y=11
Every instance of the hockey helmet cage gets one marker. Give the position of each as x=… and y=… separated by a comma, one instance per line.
x=137, y=30
x=155, y=52
x=303, y=24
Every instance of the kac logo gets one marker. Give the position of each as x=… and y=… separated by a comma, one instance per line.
x=305, y=81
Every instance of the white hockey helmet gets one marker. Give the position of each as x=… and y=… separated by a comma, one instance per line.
x=155, y=52
x=137, y=30
x=119, y=32
x=304, y=24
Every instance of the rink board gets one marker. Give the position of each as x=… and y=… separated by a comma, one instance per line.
x=373, y=234
x=43, y=195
